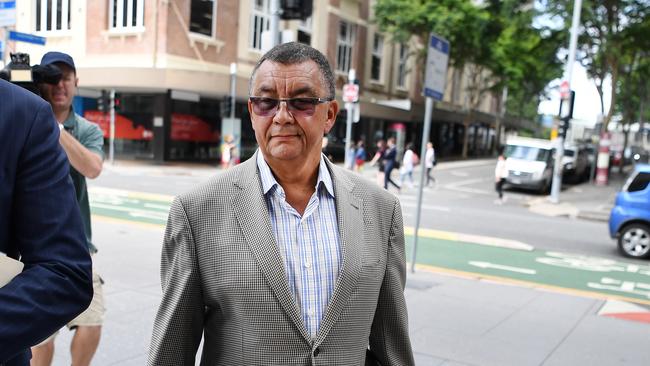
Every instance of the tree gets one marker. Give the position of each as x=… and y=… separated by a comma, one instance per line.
x=495, y=44
x=604, y=28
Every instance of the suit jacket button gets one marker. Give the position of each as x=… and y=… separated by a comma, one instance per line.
x=316, y=352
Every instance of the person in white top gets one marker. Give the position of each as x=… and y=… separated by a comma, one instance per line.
x=500, y=175
x=407, y=165
x=429, y=162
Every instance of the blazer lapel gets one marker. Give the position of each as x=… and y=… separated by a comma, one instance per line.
x=253, y=217
x=350, y=221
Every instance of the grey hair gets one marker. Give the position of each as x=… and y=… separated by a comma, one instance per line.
x=294, y=53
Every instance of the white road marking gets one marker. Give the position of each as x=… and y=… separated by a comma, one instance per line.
x=502, y=267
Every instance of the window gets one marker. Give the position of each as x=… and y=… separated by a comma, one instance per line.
x=401, y=66
x=52, y=15
x=126, y=15
x=203, y=16
x=304, y=31
x=344, y=45
x=377, y=54
x=260, y=20
x=638, y=183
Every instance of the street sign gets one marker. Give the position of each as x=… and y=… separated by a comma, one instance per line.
x=7, y=13
x=26, y=37
x=436, y=69
x=350, y=93
x=565, y=90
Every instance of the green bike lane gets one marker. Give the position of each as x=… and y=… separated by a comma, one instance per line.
x=468, y=255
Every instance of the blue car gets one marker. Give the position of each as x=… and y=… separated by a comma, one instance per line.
x=629, y=222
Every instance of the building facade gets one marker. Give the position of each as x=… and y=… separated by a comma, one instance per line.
x=170, y=63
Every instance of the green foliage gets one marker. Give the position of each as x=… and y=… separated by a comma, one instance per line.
x=498, y=36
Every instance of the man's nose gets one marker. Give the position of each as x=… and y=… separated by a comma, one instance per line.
x=283, y=115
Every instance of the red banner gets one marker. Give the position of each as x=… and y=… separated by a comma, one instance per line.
x=186, y=127
x=123, y=126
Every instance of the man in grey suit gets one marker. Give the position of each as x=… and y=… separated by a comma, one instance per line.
x=285, y=259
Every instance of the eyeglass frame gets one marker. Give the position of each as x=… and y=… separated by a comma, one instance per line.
x=288, y=101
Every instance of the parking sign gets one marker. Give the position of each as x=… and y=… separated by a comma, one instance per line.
x=436, y=70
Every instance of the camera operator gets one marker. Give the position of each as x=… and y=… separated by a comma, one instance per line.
x=82, y=142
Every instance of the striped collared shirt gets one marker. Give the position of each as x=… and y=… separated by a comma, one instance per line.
x=309, y=244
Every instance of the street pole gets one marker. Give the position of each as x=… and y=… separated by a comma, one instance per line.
x=233, y=84
x=428, y=112
x=349, y=107
x=559, y=154
x=274, y=26
x=111, y=146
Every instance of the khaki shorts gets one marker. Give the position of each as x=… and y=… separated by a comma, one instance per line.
x=93, y=315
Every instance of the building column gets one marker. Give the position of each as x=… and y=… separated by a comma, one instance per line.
x=162, y=126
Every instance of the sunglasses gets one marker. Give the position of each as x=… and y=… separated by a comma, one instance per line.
x=267, y=107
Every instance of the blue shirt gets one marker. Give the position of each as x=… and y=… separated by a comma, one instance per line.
x=310, y=244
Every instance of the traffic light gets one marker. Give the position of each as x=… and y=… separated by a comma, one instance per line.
x=295, y=9
x=104, y=101
x=563, y=127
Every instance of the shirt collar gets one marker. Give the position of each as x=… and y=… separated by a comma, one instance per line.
x=268, y=180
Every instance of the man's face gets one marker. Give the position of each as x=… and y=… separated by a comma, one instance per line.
x=60, y=95
x=289, y=135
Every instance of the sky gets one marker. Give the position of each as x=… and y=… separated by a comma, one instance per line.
x=587, y=103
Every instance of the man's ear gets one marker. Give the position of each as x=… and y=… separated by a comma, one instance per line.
x=332, y=112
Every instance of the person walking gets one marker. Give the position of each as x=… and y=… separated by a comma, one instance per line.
x=360, y=156
x=408, y=163
x=430, y=162
x=378, y=160
x=40, y=225
x=500, y=175
x=285, y=259
x=390, y=160
x=82, y=142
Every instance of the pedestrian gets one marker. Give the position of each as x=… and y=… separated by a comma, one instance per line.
x=500, y=175
x=82, y=142
x=40, y=224
x=285, y=259
x=430, y=162
x=229, y=155
x=409, y=160
x=360, y=156
x=378, y=160
x=349, y=158
x=390, y=161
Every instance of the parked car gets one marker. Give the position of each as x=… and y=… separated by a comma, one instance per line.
x=575, y=163
x=529, y=163
x=629, y=221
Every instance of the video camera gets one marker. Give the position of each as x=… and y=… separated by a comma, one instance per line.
x=20, y=73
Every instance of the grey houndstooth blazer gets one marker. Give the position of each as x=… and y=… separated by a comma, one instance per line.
x=223, y=276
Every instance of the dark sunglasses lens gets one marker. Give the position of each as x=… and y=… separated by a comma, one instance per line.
x=305, y=106
x=264, y=106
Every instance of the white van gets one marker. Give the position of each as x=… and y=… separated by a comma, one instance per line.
x=530, y=163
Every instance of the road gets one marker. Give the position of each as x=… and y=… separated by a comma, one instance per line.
x=464, y=230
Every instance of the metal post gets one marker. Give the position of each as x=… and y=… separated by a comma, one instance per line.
x=559, y=154
x=349, y=107
x=428, y=113
x=111, y=146
x=274, y=26
x=233, y=84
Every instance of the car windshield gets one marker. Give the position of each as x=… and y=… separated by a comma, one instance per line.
x=526, y=153
x=569, y=152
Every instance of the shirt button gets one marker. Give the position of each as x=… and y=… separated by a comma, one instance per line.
x=307, y=264
x=310, y=313
x=316, y=351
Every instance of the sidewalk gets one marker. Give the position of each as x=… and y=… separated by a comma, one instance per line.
x=585, y=201
x=454, y=319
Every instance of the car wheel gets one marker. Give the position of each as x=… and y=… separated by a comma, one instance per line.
x=634, y=241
